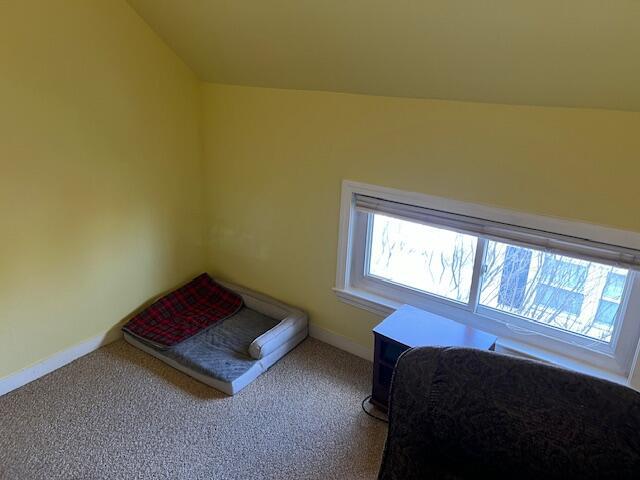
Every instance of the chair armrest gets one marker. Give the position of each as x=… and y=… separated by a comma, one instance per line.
x=408, y=436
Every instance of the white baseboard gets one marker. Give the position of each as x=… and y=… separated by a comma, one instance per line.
x=57, y=360
x=60, y=359
x=343, y=343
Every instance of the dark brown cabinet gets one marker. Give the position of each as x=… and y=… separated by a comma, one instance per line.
x=410, y=327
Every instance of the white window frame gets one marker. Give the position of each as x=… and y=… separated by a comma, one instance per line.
x=616, y=361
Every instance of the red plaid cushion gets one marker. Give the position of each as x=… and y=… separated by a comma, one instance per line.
x=184, y=312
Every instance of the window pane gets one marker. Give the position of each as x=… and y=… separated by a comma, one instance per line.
x=426, y=258
x=574, y=295
x=614, y=286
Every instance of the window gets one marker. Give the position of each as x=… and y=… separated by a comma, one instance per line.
x=550, y=289
x=433, y=260
x=539, y=287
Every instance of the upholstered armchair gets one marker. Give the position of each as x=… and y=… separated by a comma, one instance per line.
x=460, y=413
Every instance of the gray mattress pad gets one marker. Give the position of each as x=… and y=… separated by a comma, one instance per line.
x=221, y=351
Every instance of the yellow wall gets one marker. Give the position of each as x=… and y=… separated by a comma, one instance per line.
x=275, y=160
x=539, y=52
x=100, y=172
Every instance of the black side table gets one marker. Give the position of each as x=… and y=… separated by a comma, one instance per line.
x=410, y=327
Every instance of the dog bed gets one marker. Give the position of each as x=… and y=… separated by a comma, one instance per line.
x=229, y=354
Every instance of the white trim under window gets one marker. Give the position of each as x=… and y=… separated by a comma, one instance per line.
x=578, y=243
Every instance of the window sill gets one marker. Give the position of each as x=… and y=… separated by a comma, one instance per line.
x=383, y=307
x=368, y=301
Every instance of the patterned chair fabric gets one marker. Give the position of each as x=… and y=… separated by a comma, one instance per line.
x=459, y=413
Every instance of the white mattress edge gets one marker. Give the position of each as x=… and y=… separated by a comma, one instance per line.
x=230, y=388
x=292, y=320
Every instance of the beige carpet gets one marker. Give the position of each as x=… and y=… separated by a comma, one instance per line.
x=120, y=414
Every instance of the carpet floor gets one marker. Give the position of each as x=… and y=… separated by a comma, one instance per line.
x=118, y=413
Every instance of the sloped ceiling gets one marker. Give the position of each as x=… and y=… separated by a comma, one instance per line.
x=577, y=53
